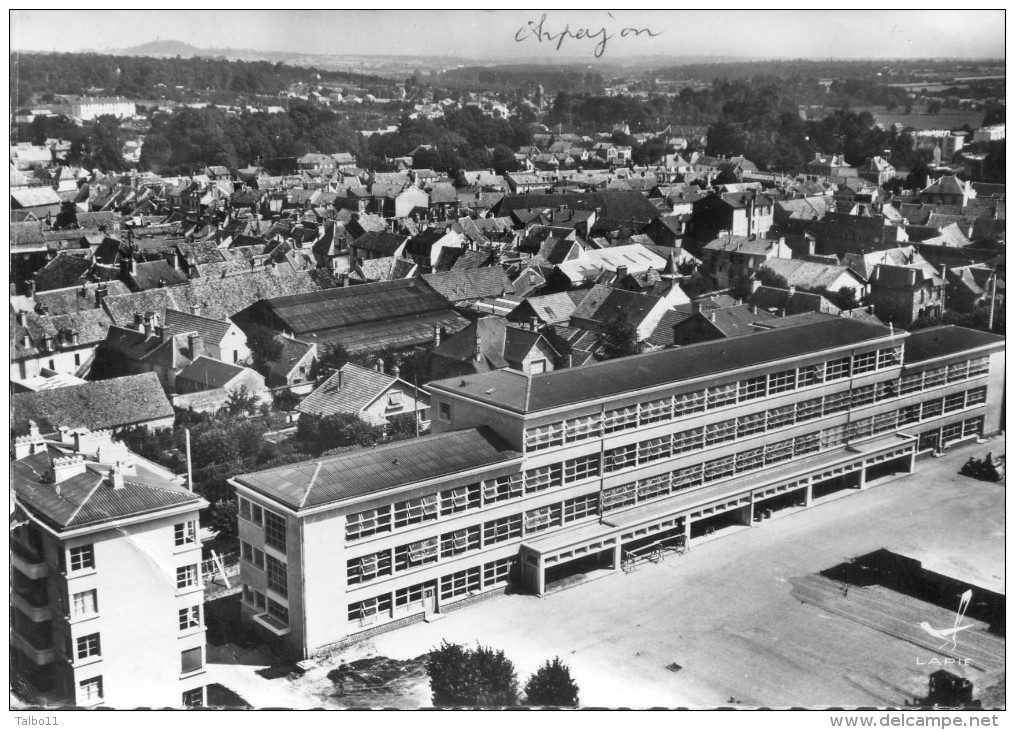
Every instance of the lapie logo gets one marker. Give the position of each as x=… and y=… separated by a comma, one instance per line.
x=950, y=635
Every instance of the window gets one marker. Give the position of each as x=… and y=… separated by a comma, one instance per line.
x=542, y=518
x=934, y=378
x=459, y=584
x=718, y=468
x=653, y=449
x=583, y=427
x=252, y=555
x=751, y=423
x=544, y=437
x=497, y=572
x=620, y=419
x=717, y=433
x=932, y=409
x=503, y=529
x=860, y=429
x=911, y=383
x=688, y=440
x=194, y=697
x=976, y=396
x=186, y=576
x=909, y=414
x=368, y=567
x=259, y=600
x=783, y=416
x=865, y=362
x=837, y=369
x=689, y=403
x=395, y=399
x=191, y=660
x=752, y=388
x=782, y=381
x=834, y=436
x=274, y=531
x=244, y=509
x=955, y=402
x=722, y=395
x=185, y=533
x=885, y=390
x=656, y=410
x=190, y=618
x=653, y=487
x=278, y=612
x=459, y=499
x=806, y=443
x=619, y=458
x=622, y=496
x=575, y=509
x=277, y=575
x=750, y=460
x=779, y=451
x=862, y=396
x=543, y=477
x=885, y=421
x=537, y=367
x=86, y=603
x=972, y=426
x=88, y=646
x=957, y=371
x=370, y=608
x=979, y=366
x=581, y=468
x=413, y=511
x=837, y=402
x=460, y=541
x=502, y=488
x=82, y=558
x=812, y=375
x=417, y=553
x=444, y=411
x=889, y=357
x=951, y=432
x=364, y=524
x=414, y=593
x=689, y=476
x=90, y=689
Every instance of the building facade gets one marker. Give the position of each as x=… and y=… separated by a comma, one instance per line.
x=530, y=479
x=106, y=589
x=117, y=106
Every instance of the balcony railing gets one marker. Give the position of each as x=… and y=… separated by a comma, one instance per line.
x=28, y=561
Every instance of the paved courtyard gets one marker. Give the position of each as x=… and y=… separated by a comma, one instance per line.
x=725, y=611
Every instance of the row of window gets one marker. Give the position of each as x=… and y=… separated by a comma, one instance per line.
x=477, y=537
x=274, y=525
x=83, y=556
x=90, y=645
x=597, y=425
x=261, y=602
x=429, y=507
x=454, y=585
x=468, y=539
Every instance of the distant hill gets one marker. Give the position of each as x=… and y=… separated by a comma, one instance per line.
x=164, y=49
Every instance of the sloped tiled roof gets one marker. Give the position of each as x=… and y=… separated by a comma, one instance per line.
x=605, y=304
x=212, y=330
x=553, y=308
x=807, y=274
x=211, y=372
x=459, y=286
x=368, y=471
x=349, y=390
x=102, y=404
x=382, y=242
x=289, y=356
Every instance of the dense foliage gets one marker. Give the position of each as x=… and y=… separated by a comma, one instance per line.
x=552, y=686
x=461, y=677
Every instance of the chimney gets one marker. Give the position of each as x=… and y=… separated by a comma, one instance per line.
x=792, y=290
x=395, y=371
x=148, y=323
x=380, y=365
x=116, y=476
x=196, y=344
x=695, y=307
x=436, y=336
x=195, y=309
x=622, y=271
x=533, y=323
x=478, y=353
x=101, y=291
x=811, y=245
x=133, y=264
x=138, y=321
x=711, y=316
x=31, y=288
x=74, y=337
x=65, y=467
x=22, y=319
x=912, y=277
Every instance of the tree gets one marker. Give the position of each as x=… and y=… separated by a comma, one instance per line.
x=460, y=677
x=402, y=426
x=934, y=107
x=552, y=686
x=317, y=434
x=242, y=402
x=222, y=519
x=619, y=337
x=767, y=277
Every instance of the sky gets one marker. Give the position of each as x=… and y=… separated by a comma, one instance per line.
x=518, y=35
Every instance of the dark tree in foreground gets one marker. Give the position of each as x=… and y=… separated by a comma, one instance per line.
x=619, y=337
x=552, y=686
x=460, y=677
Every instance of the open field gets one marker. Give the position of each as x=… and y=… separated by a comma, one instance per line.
x=725, y=612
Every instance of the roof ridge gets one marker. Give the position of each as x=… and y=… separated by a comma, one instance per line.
x=310, y=484
x=84, y=501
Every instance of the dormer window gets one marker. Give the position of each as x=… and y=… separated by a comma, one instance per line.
x=395, y=399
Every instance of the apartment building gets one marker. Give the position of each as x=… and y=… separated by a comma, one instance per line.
x=95, y=107
x=529, y=479
x=106, y=589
